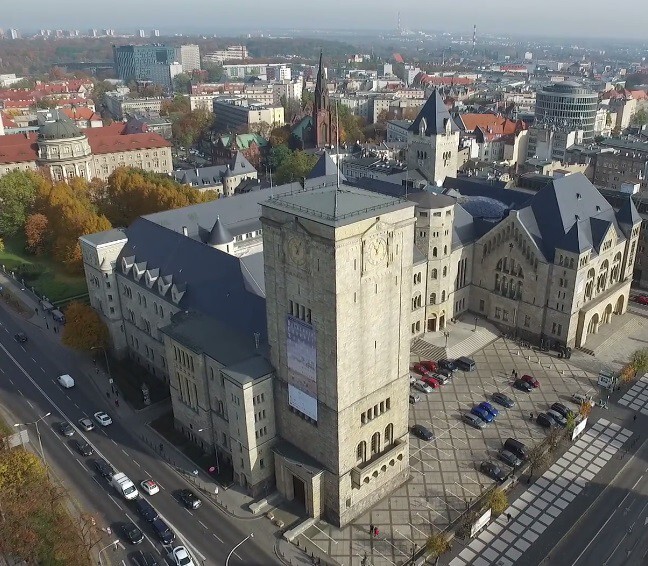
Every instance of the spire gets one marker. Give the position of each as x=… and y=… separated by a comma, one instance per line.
x=321, y=92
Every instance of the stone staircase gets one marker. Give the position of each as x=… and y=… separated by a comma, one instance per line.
x=476, y=341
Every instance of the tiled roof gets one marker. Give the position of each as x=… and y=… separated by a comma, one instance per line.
x=18, y=148
x=81, y=113
x=117, y=142
x=489, y=123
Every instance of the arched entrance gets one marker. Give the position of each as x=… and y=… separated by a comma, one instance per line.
x=619, y=305
x=432, y=323
x=592, y=327
x=607, y=314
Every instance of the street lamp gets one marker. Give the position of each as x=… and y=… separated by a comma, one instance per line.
x=446, y=334
x=475, y=329
x=40, y=440
x=251, y=535
x=113, y=543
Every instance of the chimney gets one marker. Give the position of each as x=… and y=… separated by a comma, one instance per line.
x=185, y=232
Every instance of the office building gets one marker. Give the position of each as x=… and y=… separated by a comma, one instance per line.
x=156, y=33
x=144, y=63
x=234, y=113
x=232, y=53
x=189, y=57
x=142, y=33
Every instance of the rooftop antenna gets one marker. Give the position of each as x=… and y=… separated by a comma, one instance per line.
x=337, y=153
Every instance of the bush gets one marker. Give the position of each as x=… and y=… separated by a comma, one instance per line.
x=498, y=502
x=30, y=271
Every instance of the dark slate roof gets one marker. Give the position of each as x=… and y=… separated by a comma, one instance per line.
x=324, y=172
x=240, y=165
x=219, y=235
x=61, y=127
x=464, y=228
x=384, y=187
x=215, y=284
x=201, y=176
x=577, y=239
x=628, y=216
x=470, y=186
x=106, y=237
x=436, y=116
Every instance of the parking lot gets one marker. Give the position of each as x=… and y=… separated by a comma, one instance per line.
x=445, y=473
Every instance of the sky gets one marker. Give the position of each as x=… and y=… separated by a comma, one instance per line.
x=578, y=18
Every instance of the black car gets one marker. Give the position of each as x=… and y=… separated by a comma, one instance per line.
x=83, y=448
x=502, y=399
x=66, y=429
x=132, y=533
x=545, y=421
x=104, y=469
x=190, y=499
x=145, y=510
x=448, y=364
x=563, y=410
x=509, y=458
x=163, y=532
x=20, y=337
x=523, y=385
x=422, y=432
x=493, y=471
x=444, y=371
x=144, y=559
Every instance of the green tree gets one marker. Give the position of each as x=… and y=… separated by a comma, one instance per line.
x=307, y=98
x=278, y=155
x=639, y=118
x=497, y=501
x=18, y=191
x=84, y=329
x=639, y=361
x=182, y=83
x=437, y=545
x=215, y=72
x=295, y=167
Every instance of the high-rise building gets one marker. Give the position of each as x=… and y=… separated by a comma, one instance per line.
x=14, y=33
x=93, y=33
x=144, y=63
x=156, y=33
x=141, y=33
x=189, y=57
x=232, y=53
x=567, y=106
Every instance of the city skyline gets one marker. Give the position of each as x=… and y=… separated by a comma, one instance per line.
x=556, y=19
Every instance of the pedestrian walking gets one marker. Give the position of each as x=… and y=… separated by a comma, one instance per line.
x=116, y=402
x=376, y=531
x=634, y=418
x=530, y=416
x=508, y=517
x=513, y=373
x=371, y=529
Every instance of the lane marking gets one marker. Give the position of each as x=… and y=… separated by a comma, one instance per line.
x=29, y=403
x=203, y=525
x=217, y=538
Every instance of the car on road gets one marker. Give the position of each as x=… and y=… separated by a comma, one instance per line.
x=422, y=386
x=162, y=531
x=145, y=510
x=20, y=337
x=523, y=385
x=557, y=417
x=414, y=398
x=530, y=380
x=65, y=428
x=565, y=411
x=181, y=556
x=432, y=382
x=422, y=432
x=472, y=420
x=150, y=487
x=132, y=533
x=544, y=420
x=144, y=559
x=430, y=365
x=102, y=418
x=502, y=399
x=641, y=299
x=493, y=471
x=483, y=414
x=86, y=424
x=83, y=448
x=492, y=410
x=509, y=458
x=190, y=499
x=448, y=364
x=104, y=469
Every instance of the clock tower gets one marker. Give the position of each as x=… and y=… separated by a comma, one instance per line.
x=338, y=271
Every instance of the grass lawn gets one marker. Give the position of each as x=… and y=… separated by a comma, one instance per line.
x=52, y=281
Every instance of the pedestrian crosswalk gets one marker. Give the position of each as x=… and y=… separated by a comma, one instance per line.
x=636, y=398
x=504, y=542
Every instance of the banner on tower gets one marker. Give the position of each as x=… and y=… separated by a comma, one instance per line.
x=301, y=354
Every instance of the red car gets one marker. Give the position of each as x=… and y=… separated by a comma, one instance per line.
x=430, y=365
x=641, y=299
x=420, y=369
x=530, y=380
x=433, y=383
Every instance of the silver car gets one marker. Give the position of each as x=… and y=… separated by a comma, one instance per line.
x=472, y=420
x=422, y=386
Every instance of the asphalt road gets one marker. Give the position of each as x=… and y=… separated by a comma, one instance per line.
x=28, y=388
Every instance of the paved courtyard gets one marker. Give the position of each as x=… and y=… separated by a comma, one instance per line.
x=444, y=473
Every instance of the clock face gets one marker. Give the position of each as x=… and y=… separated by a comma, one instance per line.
x=297, y=251
x=377, y=250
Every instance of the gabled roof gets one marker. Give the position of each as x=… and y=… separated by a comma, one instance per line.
x=240, y=165
x=244, y=141
x=219, y=235
x=489, y=123
x=436, y=116
x=576, y=239
x=628, y=216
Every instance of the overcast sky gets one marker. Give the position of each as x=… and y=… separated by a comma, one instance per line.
x=578, y=18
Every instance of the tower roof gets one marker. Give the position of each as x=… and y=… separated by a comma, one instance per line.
x=324, y=167
x=321, y=92
x=219, y=235
x=435, y=117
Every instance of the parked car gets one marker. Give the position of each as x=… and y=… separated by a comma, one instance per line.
x=430, y=365
x=442, y=379
x=531, y=380
x=465, y=364
x=132, y=533
x=483, y=414
x=493, y=471
x=145, y=509
x=516, y=447
x=562, y=409
x=509, y=458
x=641, y=299
x=431, y=381
x=190, y=499
x=20, y=337
x=86, y=424
x=523, y=385
x=414, y=398
x=162, y=531
x=422, y=386
x=413, y=377
x=104, y=469
x=420, y=369
x=472, y=420
x=181, y=556
x=556, y=416
x=492, y=410
x=422, y=432
x=502, y=399
x=65, y=428
x=448, y=364
x=581, y=398
x=545, y=420
x=83, y=447
x=444, y=371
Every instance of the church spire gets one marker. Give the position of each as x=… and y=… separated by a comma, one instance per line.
x=321, y=92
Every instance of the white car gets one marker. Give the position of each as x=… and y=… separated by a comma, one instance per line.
x=86, y=424
x=422, y=386
x=102, y=418
x=181, y=556
x=150, y=487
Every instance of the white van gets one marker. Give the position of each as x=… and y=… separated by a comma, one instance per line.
x=581, y=398
x=65, y=381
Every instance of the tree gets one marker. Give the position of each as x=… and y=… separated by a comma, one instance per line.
x=350, y=126
x=262, y=129
x=571, y=422
x=2, y=246
x=538, y=458
x=18, y=191
x=639, y=361
x=278, y=154
x=215, y=72
x=307, y=99
x=83, y=328
x=585, y=409
x=279, y=136
x=295, y=167
x=36, y=228
x=639, y=118
x=182, y=83
x=497, y=501
x=437, y=545
x=291, y=107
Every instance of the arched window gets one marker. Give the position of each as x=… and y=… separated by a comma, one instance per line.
x=361, y=452
x=445, y=250
x=589, y=286
x=375, y=443
x=433, y=299
x=442, y=296
x=433, y=274
x=602, y=280
x=434, y=252
x=389, y=434
x=445, y=271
